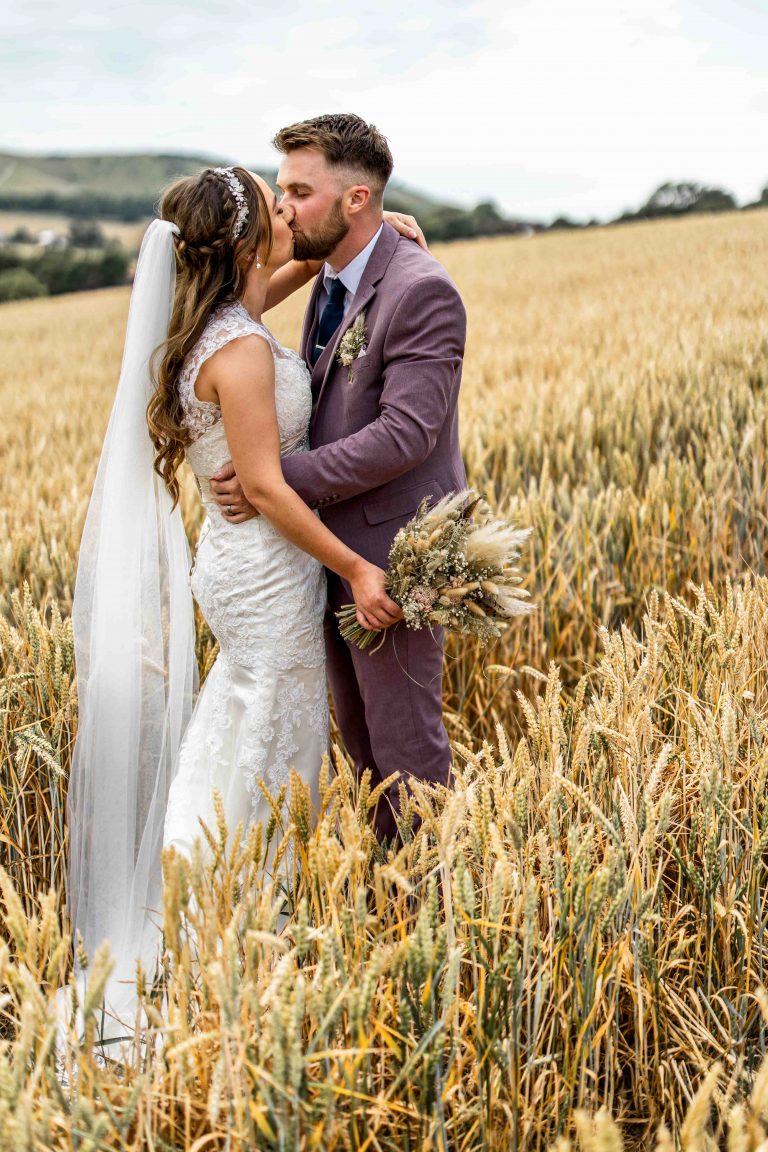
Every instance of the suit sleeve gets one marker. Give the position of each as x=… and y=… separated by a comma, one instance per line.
x=423, y=349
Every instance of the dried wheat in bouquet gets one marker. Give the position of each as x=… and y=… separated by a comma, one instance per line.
x=452, y=565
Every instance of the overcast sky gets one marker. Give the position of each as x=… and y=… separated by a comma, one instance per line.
x=546, y=106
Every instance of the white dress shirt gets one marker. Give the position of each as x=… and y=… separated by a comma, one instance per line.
x=350, y=275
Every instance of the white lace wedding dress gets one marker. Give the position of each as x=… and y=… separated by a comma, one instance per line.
x=264, y=706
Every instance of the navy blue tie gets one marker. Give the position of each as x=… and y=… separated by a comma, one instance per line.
x=332, y=316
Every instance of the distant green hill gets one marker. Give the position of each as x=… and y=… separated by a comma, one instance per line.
x=139, y=175
x=127, y=187
x=121, y=187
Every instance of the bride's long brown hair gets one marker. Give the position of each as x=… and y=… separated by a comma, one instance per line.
x=210, y=268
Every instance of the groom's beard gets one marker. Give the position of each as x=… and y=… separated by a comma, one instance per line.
x=319, y=244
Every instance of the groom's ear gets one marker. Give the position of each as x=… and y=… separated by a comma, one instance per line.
x=358, y=197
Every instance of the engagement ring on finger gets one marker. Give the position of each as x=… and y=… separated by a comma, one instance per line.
x=229, y=509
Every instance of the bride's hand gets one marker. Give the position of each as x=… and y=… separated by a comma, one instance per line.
x=375, y=609
x=407, y=226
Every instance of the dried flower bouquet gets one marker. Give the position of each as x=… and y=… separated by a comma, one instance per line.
x=452, y=565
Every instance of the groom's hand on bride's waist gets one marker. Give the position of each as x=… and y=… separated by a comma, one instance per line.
x=230, y=497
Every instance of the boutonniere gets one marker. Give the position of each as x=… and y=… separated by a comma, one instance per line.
x=353, y=344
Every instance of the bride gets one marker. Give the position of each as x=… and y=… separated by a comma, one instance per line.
x=214, y=385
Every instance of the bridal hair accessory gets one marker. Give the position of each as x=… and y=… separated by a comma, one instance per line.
x=238, y=192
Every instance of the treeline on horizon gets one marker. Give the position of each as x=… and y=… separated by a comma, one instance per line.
x=674, y=198
x=73, y=268
x=439, y=221
x=55, y=271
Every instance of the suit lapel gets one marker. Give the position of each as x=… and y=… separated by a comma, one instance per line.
x=366, y=290
x=328, y=355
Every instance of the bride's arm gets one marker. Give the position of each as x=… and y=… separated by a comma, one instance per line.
x=289, y=279
x=242, y=375
x=295, y=275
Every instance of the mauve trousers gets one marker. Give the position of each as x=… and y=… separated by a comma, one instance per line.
x=388, y=706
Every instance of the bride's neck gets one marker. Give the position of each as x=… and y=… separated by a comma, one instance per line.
x=255, y=296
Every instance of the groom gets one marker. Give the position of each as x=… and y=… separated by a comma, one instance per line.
x=384, y=431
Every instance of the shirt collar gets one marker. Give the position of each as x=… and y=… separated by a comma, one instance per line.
x=351, y=274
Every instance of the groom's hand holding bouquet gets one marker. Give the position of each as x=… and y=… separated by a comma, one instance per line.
x=452, y=565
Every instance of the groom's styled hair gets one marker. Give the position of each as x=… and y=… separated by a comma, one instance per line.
x=349, y=144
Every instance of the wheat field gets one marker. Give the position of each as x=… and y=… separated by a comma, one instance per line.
x=570, y=952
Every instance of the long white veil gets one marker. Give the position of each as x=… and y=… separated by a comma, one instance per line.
x=136, y=670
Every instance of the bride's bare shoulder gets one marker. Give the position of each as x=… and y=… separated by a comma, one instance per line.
x=244, y=359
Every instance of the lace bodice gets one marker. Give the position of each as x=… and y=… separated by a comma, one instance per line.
x=293, y=397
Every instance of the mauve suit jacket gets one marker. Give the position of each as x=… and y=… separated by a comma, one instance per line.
x=389, y=436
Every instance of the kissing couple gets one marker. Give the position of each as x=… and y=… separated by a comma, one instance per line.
x=307, y=463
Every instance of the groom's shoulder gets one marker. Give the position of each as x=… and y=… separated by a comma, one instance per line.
x=411, y=265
